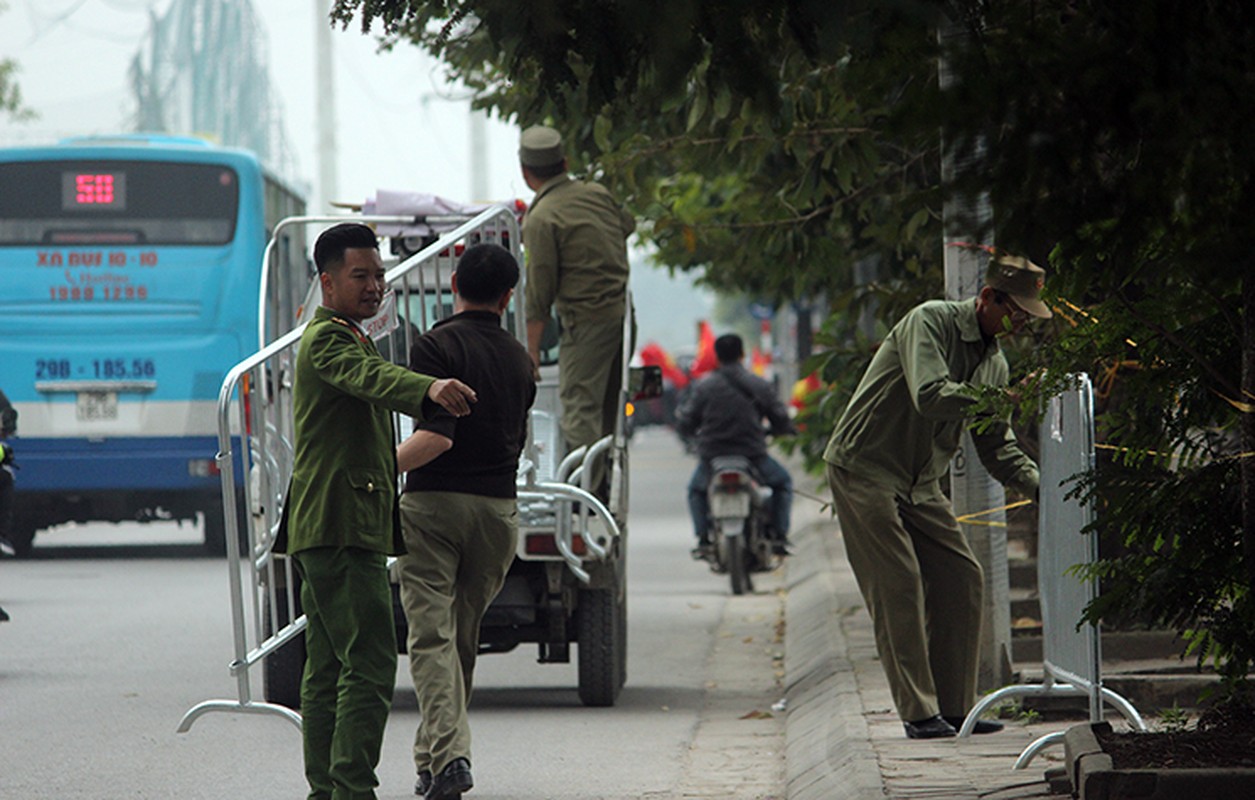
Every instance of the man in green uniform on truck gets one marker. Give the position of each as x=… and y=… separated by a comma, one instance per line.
x=342, y=513
x=575, y=235
x=886, y=458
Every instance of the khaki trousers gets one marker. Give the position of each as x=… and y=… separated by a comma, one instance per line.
x=458, y=549
x=590, y=368
x=923, y=589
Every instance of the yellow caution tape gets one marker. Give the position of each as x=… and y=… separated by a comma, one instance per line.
x=970, y=519
x=1158, y=454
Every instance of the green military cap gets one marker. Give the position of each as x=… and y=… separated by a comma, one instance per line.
x=1020, y=279
x=540, y=146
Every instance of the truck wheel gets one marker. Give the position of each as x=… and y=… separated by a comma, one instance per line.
x=622, y=644
x=600, y=642
x=282, y=670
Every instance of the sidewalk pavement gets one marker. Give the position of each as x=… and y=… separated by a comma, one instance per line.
x=844, y=739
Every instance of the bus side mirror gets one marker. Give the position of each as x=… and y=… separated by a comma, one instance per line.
x=644, y=382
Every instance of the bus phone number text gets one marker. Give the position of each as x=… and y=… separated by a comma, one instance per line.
x=52, y=369
x=98, y=293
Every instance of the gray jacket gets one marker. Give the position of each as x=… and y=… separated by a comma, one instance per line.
x=725, y=410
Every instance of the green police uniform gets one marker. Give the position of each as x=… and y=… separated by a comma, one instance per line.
x=886, y=458
x=342, y=524
x=575, y=236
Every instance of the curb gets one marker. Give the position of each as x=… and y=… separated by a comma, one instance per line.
x=829, y=752
x=1094, y=777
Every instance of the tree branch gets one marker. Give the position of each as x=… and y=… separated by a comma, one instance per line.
x=1181, y=345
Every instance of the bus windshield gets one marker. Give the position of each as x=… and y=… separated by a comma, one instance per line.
x=83, y=202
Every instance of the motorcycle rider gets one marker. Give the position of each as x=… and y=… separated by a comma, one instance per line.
x=723, y=413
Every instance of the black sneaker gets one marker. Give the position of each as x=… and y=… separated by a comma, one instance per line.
x=704, y=551
x=782, y=547
x=454, y=779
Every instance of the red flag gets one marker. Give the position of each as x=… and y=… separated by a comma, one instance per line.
x=706, y=359
x=652, y=355
x=759, y=362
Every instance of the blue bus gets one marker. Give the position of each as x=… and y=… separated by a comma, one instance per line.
x=130, y=268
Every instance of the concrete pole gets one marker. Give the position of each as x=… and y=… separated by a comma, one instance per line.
x=479, y=157
x=972, y=488
x=325, y=98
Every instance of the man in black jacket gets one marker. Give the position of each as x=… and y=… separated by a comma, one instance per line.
x=724, y=413
x=459, y=512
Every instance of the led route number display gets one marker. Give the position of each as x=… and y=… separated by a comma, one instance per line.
x=93, y=191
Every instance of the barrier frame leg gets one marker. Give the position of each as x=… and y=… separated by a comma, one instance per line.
x=237, y=707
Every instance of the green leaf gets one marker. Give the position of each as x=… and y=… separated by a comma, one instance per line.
x=601, y=132
x=697, y=110
x=917, y=219
x=723, y=102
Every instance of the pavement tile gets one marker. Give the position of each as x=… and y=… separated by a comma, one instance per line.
x=844, y=740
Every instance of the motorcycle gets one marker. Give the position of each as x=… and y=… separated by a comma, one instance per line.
x=740, y=522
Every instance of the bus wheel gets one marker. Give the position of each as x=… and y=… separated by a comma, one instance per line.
x=213, y=524
x=21, y=535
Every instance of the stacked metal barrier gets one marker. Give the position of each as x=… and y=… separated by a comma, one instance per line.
x=260, y=388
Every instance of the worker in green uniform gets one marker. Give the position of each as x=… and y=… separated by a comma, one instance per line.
x=342, y=514
x=575, y=236
x=886, y=458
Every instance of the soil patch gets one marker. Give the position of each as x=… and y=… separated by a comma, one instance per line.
x=1223, y=738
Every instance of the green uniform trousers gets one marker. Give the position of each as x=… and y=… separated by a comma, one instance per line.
x=458, y=550
x=923, y=589
x=350, y=668
x=590, y=371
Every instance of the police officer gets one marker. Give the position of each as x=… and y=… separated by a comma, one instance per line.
x=575, y=234
x=343, y=518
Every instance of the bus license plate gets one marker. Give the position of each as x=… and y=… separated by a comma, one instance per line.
x=93, y=406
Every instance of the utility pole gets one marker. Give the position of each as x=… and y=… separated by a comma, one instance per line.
x=479, y=156
x=972, y=488
x=325, y=95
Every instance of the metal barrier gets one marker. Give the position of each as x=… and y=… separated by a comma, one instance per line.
x=1071, y=658
x=261, y=388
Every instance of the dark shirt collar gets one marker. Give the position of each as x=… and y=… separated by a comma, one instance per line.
x=482, y=317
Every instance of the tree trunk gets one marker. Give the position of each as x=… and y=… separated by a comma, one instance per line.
x=1248, y=426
